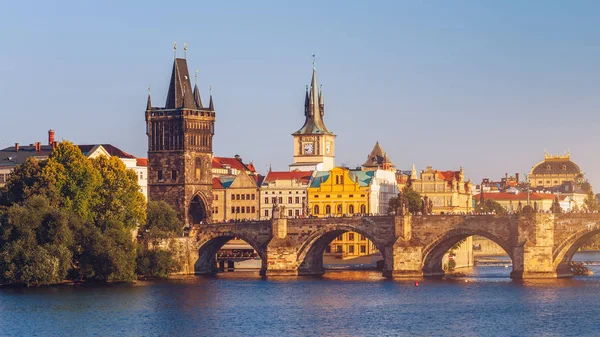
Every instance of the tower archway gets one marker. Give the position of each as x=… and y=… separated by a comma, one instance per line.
x=197, y=212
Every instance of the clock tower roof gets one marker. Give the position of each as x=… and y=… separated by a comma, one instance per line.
x=314, y=109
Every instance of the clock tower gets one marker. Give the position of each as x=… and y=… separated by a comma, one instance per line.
x=314, y=145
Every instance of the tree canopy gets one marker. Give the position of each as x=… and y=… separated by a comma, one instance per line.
x=69, y=217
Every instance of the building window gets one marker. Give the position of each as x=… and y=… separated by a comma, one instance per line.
x=297, y=212
x=232, y=210
x=337, y=180
x=339, y=209
x=316, y=209
x=280, y=200
x=173, y=175
x=243, y=209
x=362, y=237
x=548, y=167
x=340, y=237
x=274, y=200
x=316, y=195
x=363, y=249
x=160, y=177
x=290, y=214
x=351, y=209
x=253, y=196
x=289, y=200
x=266, y=212
x=237, y=197
x=351, y=196
x=327, y=209
x=540, y=182
x=216, y=210
x=243, y=197
x=327, y=196
x=363, y=209
x=297, y=200
x=237, y=209
x=253, y=209
x=247, y=209
x=216, y=196
x=266, y=200
x=556, y=181
x=351, y=249
x=338, y=249
x=351, y=236
x=247, y=196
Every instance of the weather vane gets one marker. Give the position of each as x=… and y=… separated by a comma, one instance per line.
x=175, y=48
x=184, y=50
x=314, y=60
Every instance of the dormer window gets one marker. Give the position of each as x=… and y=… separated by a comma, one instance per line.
x=564, y=167
x=548, y=167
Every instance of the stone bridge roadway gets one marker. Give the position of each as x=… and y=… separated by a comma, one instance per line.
x=540, y=245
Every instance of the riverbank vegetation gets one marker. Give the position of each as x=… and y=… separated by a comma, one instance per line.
x=71, y=218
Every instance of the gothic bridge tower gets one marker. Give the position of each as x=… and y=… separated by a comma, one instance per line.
x=180, y=149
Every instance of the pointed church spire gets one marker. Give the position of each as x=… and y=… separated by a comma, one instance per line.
x=306, y=103
x=180, y=93
x=149, y=104
x=197, y=98
x=314, y=108
x=211, y=106
x=321, y=101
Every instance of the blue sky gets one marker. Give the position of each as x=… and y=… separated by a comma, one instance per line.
x=487, y=85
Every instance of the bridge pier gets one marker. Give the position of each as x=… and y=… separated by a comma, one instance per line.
x=533, y=251
x=403, y=260
x=281, y=251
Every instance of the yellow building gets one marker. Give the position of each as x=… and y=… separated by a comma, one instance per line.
x=339, y=192
x=235, y=190
x=447, y=190
x=342, y=192
x=554, y=170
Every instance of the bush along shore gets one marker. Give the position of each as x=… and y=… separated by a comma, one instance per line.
x=71, y=219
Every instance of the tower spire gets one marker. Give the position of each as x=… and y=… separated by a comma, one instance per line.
x=149, y=104
x=306, y=103
x=197, y=98
x=314, y=107
x=211, y=106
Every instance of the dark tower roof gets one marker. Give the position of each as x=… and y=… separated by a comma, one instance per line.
x=314, y=114
x=197, y=98
x=149, y=104
x=211, y=105
x=180, y=93
x=378, y=158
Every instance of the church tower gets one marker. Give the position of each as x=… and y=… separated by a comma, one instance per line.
x=314, y=145
x=180, y=149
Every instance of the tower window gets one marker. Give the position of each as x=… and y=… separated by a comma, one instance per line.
x=160, y=176
x=174, y=175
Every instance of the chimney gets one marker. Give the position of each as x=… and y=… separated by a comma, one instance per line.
x=517, y=177
x=37, y=146
x=16, y=147
x=50, y=137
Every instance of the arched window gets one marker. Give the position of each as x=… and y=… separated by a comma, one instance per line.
x=327, y=209
x=363, y=209
x=351, y=209
x=340, y=209
x=316, y=210
x=337, y=180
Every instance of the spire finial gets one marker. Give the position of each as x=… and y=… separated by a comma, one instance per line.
x=175, y=48
x=196, y=77
x=184, y=50
x=148, y=89
x=210, y=89
x=314, y=61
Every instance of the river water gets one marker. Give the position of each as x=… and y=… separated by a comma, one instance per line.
x=341, y=303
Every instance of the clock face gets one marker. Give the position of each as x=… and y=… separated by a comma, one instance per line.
x=308, y=148
x=327, y=147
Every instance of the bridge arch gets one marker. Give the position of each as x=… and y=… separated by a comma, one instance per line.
x=563, y=253
x=310, y=252
x=209, y=245
x=433, y=253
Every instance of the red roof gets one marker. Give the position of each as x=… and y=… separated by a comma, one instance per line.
x=216, y=183
x=112, y=150
x=234, y=163
x=302, y=176
x=517, y=196
x=141, y=161
x=448, y=175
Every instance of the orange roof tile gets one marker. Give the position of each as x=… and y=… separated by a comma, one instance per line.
x=219, y=162
x=216, y=183
x=141, y=161
x=517, y=196
x=303, y=176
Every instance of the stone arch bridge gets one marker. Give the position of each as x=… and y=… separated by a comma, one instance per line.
x=540, y=245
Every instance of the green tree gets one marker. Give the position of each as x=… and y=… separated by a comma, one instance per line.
x=590, y=203
x=25, y=181
x=393, y=205
x=413, y=198
x=489, y=206
x=35, y=241
x=162, y=222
